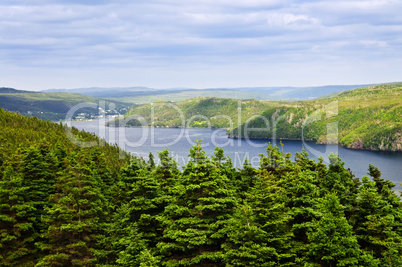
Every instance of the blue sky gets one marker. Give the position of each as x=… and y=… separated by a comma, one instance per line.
x=199, y=44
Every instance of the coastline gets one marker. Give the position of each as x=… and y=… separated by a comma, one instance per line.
x=355, y=146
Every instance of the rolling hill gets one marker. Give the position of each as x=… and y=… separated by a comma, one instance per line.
x=49, y=106
x=364, y=118
x=143, y=95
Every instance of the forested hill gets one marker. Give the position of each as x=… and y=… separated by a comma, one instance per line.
x=66, y=205
x=364, y=118
x=50, y=106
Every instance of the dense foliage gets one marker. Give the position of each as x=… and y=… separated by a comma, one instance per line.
x=366, y=118
x=65, y=205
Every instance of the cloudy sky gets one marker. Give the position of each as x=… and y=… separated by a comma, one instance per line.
x=198, y=43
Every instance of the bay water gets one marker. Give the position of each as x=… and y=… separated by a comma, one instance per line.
x=142, y=141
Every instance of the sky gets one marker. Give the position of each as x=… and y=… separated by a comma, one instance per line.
x=198, y=44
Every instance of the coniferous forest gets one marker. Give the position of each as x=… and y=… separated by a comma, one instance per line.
x=67, y=205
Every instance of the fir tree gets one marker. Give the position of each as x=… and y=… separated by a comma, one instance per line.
x=341, y=181
x=124, y=240
x=75, y=219
x=17, y=233
x=151, y=161
x=195, y=222
x=259, y=234
x=332, y=242
x=378, y=223
x=38, y=168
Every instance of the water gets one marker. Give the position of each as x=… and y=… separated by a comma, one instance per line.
x=141, y=141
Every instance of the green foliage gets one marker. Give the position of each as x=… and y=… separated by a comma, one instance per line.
x=195, y=221
x=64, y=205
x=332, y=242
x=378, y=223
x=49, y=106
x=17, y=234
x=258, y=232
x=365, y=118
x=75, y=219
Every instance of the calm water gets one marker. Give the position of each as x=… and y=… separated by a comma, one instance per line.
x=141, y=141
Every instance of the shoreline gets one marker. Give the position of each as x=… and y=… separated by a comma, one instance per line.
x=354, y=147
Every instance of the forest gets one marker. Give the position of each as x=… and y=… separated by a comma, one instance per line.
x=65, y=204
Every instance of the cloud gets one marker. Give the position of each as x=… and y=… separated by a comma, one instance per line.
x=182, y=35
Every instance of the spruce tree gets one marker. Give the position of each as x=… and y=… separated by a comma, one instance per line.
x=123, y=239
x=195, y=222
x=300, y=184
x=17, y=233
x=75, y=219
x=332, y=242
x=341, y=181
x=247, y=177
x=136, y=225
x=259, y=233
x=38, y=168
x=378, y=223
x=166, y=172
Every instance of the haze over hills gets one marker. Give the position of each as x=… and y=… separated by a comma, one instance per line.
x=142, y=95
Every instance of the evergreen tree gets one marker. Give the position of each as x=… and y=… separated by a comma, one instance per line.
x=332, y=242
x=378, y=223
x=38, y=168
x=167, y=171
x=275, y=161
x=17, y=233
x=259, y=234
x=195, y=222
x=247, y=179
x=146, y=204
x=341, y=181
x=302, y=192
x=75, y=219
x=136, y=227
x=123, y=239
x=225, y=165
x=151, y=161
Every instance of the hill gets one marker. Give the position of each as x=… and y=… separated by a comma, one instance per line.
x=143, y=95
x=51, y=106
x=66, y=203
x=20, y=132
x=365, y=118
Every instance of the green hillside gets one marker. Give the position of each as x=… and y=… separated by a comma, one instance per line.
x=63, y=203
x=21, y=132
x=365, y=118
x=49, y=106
x=194, y=112
x=180, y=95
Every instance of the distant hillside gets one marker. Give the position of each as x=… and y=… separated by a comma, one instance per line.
x=48, y=106
x=143, y=95
x=367, y=118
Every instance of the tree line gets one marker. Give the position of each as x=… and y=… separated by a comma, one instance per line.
x=64, y=205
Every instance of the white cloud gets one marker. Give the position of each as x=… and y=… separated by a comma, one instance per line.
x=207, y=35
x=278, y=19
